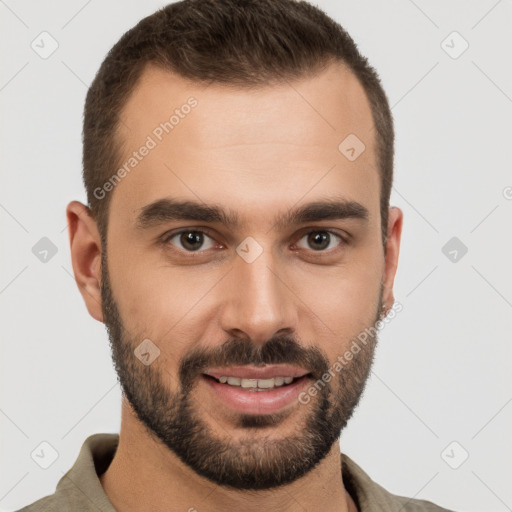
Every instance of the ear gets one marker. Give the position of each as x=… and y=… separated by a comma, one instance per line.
x=85, y=243
x=394, y=233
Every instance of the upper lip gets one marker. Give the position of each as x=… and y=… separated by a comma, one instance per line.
x=254, y=372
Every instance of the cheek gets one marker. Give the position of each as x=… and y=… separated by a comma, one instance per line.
x=140, y=295
x=159, y=302
x=341, y=302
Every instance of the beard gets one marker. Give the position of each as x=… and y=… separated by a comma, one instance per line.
x=252, y=462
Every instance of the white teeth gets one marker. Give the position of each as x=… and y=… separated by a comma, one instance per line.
x=256, y=383
x=266, y=383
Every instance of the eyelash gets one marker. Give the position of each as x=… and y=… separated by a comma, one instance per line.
x=166, y=238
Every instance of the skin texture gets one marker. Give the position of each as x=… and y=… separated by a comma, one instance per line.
x=258, y=153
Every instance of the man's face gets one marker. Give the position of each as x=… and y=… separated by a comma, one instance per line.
x=296, y=293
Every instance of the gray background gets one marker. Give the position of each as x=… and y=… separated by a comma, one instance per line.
x=442, y=371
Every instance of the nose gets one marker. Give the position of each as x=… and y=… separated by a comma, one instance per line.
x=259, y=303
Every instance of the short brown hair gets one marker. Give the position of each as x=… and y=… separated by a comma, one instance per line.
x=244, y=43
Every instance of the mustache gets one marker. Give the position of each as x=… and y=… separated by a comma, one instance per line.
x=243, y=352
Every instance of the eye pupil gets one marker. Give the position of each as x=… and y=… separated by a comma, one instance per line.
x=192, y=240
x=319, y=238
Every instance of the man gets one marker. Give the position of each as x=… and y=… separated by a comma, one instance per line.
x=238, y=161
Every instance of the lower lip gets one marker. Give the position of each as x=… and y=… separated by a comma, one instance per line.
x=257, y=402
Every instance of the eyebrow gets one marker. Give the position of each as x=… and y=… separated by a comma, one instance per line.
x=169, y=209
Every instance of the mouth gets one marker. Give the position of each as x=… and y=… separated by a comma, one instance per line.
x=253, y=390
x=249, y=384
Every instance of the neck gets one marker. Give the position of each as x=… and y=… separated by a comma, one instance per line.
x=145, y=476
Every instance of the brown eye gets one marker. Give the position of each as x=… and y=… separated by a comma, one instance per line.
x=190, y=241
x=321, y=240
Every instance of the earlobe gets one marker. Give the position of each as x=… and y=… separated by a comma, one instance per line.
x=394, y=233
x=85, y=245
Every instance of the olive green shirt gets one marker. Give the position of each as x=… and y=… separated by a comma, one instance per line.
x=80, y=490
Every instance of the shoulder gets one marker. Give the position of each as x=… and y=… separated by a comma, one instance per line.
x=414, y=505
x=51, y=503
x=370, y=496
x=80, y=489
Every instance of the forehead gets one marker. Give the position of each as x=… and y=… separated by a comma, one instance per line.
x=256, y=149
